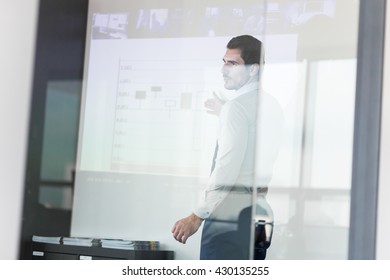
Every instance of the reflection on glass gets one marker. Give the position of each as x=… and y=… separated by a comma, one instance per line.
x=59, y=143
x=309, y=192
x=146, y=142
x=227, y=204
x=56, y=197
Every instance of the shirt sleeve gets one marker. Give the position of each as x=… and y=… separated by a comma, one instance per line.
x=232, y=145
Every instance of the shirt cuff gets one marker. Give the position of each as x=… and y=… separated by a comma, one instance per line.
x=202, y=212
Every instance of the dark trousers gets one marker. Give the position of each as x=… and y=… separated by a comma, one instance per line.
x=232, y=244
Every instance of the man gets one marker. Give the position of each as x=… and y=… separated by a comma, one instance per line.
x=226, y=207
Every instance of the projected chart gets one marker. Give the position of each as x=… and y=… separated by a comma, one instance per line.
x=159, y=117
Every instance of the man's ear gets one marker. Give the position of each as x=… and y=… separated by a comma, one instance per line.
x=254, y=69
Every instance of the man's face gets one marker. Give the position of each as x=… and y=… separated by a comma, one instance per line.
x=234, y=71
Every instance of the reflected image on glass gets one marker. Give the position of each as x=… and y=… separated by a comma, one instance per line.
x=227, y=205
x=157, y=106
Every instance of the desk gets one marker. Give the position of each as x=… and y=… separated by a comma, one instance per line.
x=47, y=251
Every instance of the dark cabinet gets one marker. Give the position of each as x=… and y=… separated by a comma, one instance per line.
x=47, y=251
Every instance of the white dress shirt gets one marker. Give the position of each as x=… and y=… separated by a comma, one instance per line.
x=237, y=155
x=234, y=164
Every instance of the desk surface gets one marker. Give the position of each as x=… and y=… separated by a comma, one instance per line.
x=47, y=251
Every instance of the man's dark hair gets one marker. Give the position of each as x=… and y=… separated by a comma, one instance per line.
x=250, y=47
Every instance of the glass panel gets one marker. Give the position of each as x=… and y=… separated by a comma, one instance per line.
x=147, y=144
x=56, y=197
x=59, y=144
x=315, y=85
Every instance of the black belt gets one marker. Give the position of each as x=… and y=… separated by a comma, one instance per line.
x=260, y=189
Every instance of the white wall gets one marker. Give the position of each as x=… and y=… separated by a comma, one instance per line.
x=383, y=228
x=18, y=22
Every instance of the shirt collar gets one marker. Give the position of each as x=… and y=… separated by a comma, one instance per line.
x=243, y=90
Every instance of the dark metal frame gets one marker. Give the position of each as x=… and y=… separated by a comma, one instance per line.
x=364, y=190
x=59, y=55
